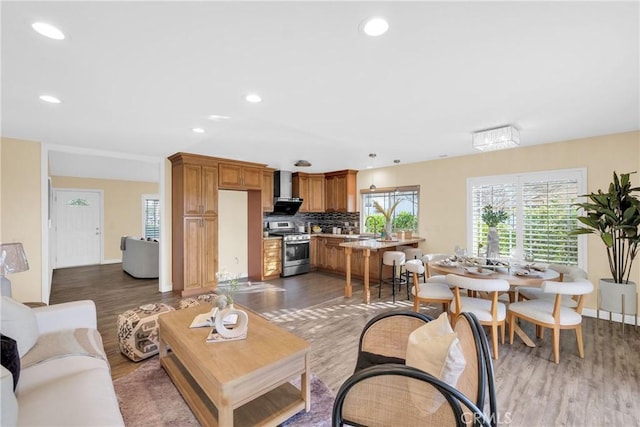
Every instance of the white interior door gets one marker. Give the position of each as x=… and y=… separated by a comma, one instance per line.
x=78, y=227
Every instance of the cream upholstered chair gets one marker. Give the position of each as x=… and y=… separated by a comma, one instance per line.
x=553, y=314
x=568, y=273
x=429, y=278
x=412, y=253
x=427, y=292
x=490, y=312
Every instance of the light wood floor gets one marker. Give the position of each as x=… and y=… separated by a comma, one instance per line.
x=600, y=390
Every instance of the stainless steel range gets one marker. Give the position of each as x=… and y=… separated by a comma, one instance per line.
x=296, y=248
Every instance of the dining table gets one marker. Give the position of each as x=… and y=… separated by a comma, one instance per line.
x=516, y=276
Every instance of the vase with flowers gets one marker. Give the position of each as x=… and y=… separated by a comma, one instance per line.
x=229, y=283
x=492, y=217
x=387, y=213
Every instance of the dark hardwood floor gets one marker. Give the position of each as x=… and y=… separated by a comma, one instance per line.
x=114, y=292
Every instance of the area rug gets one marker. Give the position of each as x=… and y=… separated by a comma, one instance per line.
x=251, y=287
x=147, y=397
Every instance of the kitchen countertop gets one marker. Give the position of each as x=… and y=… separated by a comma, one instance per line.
x=375, y=244
x=272, y=238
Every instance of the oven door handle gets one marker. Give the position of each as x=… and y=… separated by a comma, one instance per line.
x=304, y=242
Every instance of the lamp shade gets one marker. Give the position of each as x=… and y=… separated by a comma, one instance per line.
x=496, y=139
x=12, y=259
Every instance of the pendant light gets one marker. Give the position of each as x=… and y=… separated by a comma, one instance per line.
x=397, y=162
x=372, y=187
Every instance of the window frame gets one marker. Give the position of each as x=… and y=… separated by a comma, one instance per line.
x=383, y=190
x=145, y=198
x=520, y=178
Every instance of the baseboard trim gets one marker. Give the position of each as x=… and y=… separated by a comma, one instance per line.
x=604, y=315
x=111, y=261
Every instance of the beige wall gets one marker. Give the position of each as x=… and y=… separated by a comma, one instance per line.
x=122, y=207
x=443, y=185
x=21, y=213
x=233, y=232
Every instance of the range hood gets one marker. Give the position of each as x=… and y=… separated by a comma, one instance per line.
x=283, y=203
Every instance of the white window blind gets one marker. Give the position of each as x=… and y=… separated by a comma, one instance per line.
x=151, y=217
x=540, y=215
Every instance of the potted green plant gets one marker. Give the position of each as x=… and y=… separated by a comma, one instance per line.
x=492, y=217
x=615, y=217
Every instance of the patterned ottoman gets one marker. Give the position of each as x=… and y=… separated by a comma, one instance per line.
x=138, y=331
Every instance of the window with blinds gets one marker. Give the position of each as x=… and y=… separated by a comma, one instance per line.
x=151, y=217
x=541, y=213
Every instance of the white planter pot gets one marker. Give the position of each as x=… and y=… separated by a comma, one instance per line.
x=612, y=296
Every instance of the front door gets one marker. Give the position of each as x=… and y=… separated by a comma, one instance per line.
x=78, y=227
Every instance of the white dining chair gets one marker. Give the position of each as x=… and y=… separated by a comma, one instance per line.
x=490, y=312
x=427, y=292
x=553, y=314
x=429, y=278
x=568, y=273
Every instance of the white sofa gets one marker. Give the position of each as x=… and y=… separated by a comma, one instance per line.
x=72, y=388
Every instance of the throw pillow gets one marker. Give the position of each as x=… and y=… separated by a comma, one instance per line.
x=9, y=357
x=435, y=348
x=19, y=322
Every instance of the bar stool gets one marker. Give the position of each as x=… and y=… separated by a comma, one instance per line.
x=412, y=253
x=393, y=259
x=427, y=292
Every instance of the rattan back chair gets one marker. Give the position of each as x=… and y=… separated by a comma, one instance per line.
x=385, y=337
x=400, y=395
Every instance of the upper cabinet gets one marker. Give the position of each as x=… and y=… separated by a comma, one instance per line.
x=340, y=191
x=240, y=176
x=267, y=190
x=310, y=188
x=195, y=183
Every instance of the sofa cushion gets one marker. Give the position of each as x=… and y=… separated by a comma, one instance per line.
x=19, y=322
x=10, y=358
x=79, y=398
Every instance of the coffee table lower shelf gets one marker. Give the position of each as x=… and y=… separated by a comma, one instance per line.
x=270, y=409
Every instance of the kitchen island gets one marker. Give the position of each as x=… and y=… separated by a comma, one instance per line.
x=365, y=248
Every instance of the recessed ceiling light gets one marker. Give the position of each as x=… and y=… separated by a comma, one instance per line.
x=375, y=27
x=48, y=30
x=253, y=98
x=50, y=99
x=217, y=118
x=198, y=130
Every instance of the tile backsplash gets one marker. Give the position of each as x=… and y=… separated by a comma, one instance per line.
x=326, y=220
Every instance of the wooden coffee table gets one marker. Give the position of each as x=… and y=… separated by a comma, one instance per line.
x=241, y=383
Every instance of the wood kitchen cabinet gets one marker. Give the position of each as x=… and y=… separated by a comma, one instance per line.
x=310, y=188
x=194, y=226
x=240, y=176
x=267, y=190
x=340, y=191
x=271, y=258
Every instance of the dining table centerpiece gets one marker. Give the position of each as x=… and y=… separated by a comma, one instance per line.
x=492, y=217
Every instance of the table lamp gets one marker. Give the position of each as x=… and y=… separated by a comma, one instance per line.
x=12, y=260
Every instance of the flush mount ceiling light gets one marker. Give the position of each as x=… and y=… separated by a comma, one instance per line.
x=302, y=163
x=48, y=30
x=253, y=98
x=218, y=118
x=198, y=130
x=375, y=27
x=496, y=139
x=50, y=99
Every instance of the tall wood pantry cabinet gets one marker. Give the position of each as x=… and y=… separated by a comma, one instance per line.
x=194, y=223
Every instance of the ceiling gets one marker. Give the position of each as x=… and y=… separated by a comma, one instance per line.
x=135, y=78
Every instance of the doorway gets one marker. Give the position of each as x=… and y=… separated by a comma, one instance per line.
x=77, y=225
